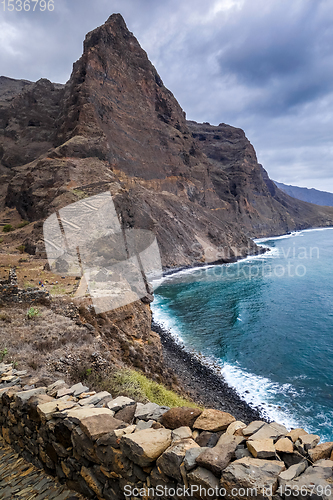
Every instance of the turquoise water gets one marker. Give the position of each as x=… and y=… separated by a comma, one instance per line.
x=267, y=322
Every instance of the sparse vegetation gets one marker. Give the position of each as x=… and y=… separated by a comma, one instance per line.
x=23, y=224
x=4, y=317
x=80, y=194
x=137, y=386
x=57, y=290
x=33, y=312
x=1, y=240
x=7, y=228
x=3, y=353
x=21, y=248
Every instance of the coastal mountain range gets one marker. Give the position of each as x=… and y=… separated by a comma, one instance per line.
x=323, y=198
x=115, y=127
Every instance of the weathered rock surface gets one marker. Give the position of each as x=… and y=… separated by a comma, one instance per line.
x=180, y=417
x=98, y=424
x=253, y=427
x=92, y=136
x=309, y=441
x=296, y=433
x=213, y=420
x=294, y=471
x=251, y=473
x=146, y=446
x=216, y=459
x=120, y=402
x=169, y=462
x=204, y=478
x=261, y=448
x=269, y=431
x=284, y=445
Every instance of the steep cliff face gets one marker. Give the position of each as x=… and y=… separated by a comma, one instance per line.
x=250, y=196
x=116, y=127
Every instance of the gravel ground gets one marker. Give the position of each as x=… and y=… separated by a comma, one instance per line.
x=202, y=384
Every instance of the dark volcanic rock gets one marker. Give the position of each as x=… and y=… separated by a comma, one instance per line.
x=115, y=126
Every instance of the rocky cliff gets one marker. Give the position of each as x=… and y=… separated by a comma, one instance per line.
x=312, y=195
x=115, y=126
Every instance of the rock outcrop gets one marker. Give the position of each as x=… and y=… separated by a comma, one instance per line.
x=115, y=126
x=81, y=438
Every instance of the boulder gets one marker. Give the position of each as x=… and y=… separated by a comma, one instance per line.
x=96, y=425
x=169, y=462
x=47, y=410
x=157, y=414
x=314, y=483
x=78, y=413
x=207, y=439
x=216, y=459
x=126, y=414
x=249, y=474
x=213, y=420
x=291, y=459
x=22, y=397
x=235, y=426
x=294, y=434
x=96, y=398
x=203, y=478
x=142, y=424
x=269, y=431
x=83, y=446
x=181, y=433
x=180, y=417
x=190, y=457
x=54, y=388
x=119, y=403
x=324, y=464
x=309, y=441
x=321, y=451
x=284, y=445
x=253, y=427
x=79, y=389
x=261, y=448
x=294, y=471
x=34, y=402
x=142, y=411
x=146, y=446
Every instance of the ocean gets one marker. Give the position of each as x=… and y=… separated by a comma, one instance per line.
x=265, y=323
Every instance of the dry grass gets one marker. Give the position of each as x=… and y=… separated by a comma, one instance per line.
x=46, y=343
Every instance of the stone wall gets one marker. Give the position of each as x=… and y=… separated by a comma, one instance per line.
x=105, y=447
x=10, y=292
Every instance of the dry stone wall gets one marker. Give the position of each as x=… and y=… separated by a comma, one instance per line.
x=10, y=291
x=110, y=448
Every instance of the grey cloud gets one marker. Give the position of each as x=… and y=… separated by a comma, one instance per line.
x=266, y=67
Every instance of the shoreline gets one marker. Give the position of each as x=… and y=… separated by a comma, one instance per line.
x=201, y=382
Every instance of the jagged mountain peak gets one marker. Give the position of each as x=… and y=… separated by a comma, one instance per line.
x=115, y=127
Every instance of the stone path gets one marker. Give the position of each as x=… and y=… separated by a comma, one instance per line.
x=22, y=480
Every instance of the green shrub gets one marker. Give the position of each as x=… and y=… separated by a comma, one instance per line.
x=80, y=194
x=33, y=312
x=3, y=353
x=7, y=228
x=21, y=248
x=23, y=224
x=139, y=387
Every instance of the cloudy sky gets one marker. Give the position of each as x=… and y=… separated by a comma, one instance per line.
x=263, y=65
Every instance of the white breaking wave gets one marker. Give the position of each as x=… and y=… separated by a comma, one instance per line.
x=259, y=392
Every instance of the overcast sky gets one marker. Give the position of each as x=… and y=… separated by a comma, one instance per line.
x=263, y=65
